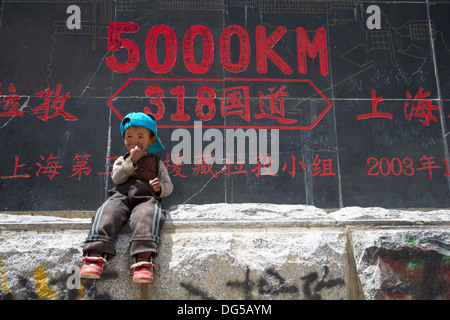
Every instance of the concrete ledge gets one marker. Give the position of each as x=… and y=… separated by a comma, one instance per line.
x=239, y=251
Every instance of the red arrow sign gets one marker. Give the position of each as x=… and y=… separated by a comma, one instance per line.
x=261, y=103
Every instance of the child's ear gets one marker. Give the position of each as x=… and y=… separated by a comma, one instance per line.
x=152, y=140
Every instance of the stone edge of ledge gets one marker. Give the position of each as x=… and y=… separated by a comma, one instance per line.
x=242, y=216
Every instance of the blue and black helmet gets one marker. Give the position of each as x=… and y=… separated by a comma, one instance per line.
x=140, y=119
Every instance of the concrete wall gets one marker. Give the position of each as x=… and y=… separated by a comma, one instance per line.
x=239, y=251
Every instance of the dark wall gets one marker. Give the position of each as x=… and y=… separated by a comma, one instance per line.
x=331, y=113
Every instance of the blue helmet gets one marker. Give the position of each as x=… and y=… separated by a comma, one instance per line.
x=140, y=119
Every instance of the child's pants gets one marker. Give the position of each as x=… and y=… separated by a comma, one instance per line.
x=131, y=201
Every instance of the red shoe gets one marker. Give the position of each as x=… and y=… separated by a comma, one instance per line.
x=143, y=272
x=92, y=268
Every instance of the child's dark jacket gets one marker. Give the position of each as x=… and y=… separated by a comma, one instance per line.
x=146, y=169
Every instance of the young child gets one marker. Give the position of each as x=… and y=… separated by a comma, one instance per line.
x=141, y=180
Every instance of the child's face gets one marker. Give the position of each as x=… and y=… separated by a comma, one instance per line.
x=138, y=136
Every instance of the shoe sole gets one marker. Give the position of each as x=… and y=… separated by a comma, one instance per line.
x=89, y=276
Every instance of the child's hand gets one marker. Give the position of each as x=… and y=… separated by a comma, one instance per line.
x=137, y=153
x=155, y=185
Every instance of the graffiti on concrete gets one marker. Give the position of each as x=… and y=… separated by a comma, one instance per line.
x=41, y=286
x=272, y=284
x=411, y=272
x=311, y=278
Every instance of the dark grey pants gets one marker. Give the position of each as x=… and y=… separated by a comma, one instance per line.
x=130, y=201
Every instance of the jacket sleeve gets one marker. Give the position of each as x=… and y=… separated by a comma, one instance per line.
x=122, y=169
x=164, y=181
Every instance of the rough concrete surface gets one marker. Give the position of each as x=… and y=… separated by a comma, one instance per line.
x=240, y=251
